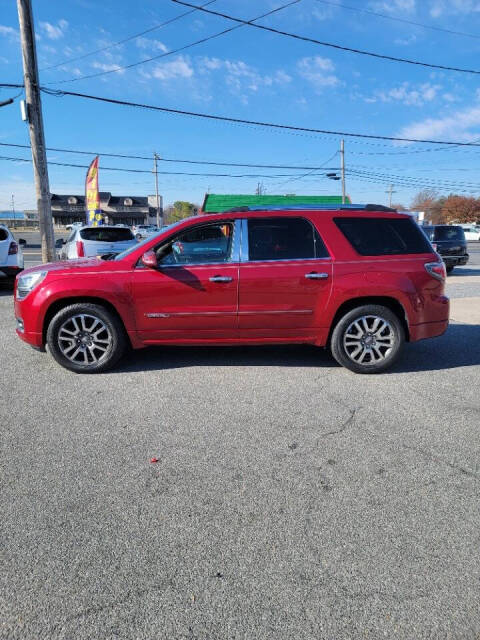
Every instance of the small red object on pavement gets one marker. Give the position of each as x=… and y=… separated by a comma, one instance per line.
x=153, y=460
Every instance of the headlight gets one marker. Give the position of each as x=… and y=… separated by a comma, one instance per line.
x=28, y=282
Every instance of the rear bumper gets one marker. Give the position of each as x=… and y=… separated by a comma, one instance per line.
x=454, y=261
x=428, y=330
x=10, y=272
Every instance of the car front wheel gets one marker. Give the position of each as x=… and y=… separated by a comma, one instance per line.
x=368, y=339
x=86, y=338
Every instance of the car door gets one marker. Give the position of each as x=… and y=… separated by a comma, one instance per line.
x=192, y=296
x=285, y=278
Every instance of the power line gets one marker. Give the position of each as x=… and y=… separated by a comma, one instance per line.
x=170, y=53
x=332, y=45
x=166, y=173
x=397, y=19
x=120, y=42
x=175, y=160
x=256, y=123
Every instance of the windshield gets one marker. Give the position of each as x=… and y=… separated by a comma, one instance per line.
x=449, y=233
x=106, y=234
x=128, y=251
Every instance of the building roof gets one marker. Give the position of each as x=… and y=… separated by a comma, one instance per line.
x=214, y=203
x=105, y=198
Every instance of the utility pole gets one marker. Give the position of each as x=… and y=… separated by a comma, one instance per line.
x=35, y=125
x=342, y=167
x=13, y=212
x=155, y=171
x=390, y=191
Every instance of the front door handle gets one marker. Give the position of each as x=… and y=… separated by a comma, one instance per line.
x=220, y=279
x=316, y=276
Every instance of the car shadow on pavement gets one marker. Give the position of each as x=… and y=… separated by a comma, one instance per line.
x=458, y=347
x=6, y=291
x=463, y=271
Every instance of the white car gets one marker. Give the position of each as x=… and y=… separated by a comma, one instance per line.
x=141, y=231
x=11, y=256
x=472, y=232
x=95, y=241
x=70, y=227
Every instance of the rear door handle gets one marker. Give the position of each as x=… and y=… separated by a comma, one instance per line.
x=316, y=276
x=220, y=279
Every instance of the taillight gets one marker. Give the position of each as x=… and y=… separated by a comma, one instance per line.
x=80, y=249
x=12, y=249
x=436, y=269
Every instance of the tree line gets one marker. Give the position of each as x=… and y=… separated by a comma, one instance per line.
x=445, y=209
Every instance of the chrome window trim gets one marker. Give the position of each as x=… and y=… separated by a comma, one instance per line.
x=244, y=257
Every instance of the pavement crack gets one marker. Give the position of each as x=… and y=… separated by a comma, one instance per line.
x=343, y=426
x=441, y=461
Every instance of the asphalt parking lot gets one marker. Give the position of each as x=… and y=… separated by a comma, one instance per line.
x=291, y=499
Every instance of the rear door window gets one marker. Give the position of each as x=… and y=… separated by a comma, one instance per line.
x=383, y=236
x=3, y=234
x=283, y=239
x=446, y=233
x=99, y=234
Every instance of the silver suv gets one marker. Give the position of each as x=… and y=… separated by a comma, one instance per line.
x=95, y=241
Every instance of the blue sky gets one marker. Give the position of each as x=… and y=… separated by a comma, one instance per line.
x=255, y=75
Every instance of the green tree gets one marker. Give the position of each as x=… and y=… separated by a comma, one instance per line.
x=179, y=210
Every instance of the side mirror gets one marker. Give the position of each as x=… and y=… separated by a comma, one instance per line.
x=149, y=259
x=22, y=242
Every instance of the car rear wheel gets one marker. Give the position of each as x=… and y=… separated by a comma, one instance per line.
x=368, y=339
x=86, y=338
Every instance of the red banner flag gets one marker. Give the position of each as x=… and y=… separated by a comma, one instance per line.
x=92, y=196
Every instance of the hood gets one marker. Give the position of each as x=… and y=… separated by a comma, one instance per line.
x=68, y=265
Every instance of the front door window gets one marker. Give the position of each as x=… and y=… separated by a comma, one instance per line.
x=209, y=244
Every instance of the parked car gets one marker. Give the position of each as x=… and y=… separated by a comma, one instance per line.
x=141, y=231
x=450, y=243
x=11, y=256
x=359, y=281
x=472, y=232
x=95, y=241
x=73, y=225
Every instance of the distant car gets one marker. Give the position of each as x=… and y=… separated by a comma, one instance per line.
x=141, y=231
x=472, y=232
x=69, y=227
x=11, y=256
x=449, y=242
x=96, y=241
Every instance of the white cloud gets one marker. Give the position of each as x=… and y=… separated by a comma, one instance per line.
x=393, y=6
x=458, y=126
x=441, y=7
x=107, y=67
x=179, y=68
x=153, y=45
x=54, y=32
x=407, y=95
x=9, y=32
x=318, y=71
x=241, y=77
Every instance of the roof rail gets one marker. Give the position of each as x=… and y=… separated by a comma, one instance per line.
x=311, y=207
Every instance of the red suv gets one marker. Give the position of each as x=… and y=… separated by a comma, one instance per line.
x=360, y=280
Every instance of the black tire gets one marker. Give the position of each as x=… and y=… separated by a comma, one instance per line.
x=103, y=347
x=380, y=355
x=450, y=268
